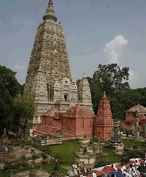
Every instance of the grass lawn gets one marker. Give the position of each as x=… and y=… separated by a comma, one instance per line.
x=130, y=143
x=50, y=167
x=66, y=154
x=66, y=150
x=111, y=157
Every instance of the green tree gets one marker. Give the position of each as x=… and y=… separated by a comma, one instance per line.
x=6, y=116
x=24, y=109
x=113, y=80
x=117, y=108
x=9, y=81
x=9, y=88
x=96, y=92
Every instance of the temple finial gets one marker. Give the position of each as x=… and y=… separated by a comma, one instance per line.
x=83, y=75
x=50, y=13
x=104, y=95
x=50, y=2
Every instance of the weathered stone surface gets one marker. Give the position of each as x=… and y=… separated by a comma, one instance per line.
x=39, y=173
x=48, y=75
x=84, y=93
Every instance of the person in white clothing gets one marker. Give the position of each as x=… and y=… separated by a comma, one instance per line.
x=123, y=168
x=126, y=174
x=75, y=172
x=136, y=163
x=131, y=170
x=114, y=166
x=94, y=175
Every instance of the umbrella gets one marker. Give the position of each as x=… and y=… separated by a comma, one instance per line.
x=108, y=169
x=117, y=174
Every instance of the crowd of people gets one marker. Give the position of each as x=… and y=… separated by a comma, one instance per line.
x=135, y=169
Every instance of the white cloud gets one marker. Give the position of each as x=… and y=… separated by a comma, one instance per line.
x=114, y=49
x=20, y=67
x=133, y=77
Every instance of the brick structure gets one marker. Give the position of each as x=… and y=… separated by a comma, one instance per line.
x=79, y=121
x=48, y=75
x=76, y=121
x=130, y=121
x=103, y=123
x=50, y=122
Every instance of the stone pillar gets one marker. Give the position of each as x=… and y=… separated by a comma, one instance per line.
x=136, y=127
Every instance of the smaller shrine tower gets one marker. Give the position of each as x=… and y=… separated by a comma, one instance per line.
x=84, y=93
x=104, y=122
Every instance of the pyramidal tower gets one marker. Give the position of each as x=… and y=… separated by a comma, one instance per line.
x=84, y=93
x=104, y=122
x=48, y=76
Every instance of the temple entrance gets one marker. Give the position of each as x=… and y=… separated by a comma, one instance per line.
x=65, y=97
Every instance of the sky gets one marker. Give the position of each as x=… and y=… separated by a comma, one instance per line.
x=96, y=32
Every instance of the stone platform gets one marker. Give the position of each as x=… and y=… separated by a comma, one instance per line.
x=19, y=153
x=39, y=173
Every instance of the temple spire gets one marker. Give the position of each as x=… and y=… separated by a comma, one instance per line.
x=50, y=13
x=50, y=2
x=104, y=96
x=83, y=75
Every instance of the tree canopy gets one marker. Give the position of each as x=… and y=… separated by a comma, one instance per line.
x=9, y=81
x=9, y=88
x=24, y=109
x=112, y=78
x=114, y=81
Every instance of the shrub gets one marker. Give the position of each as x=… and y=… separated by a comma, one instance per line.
x=135, y=154
x=102, y=162
x=24, y=164
x=8, y=165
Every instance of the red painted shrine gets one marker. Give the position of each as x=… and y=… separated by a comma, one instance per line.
x=79, y=121
x=76, y=121
x=130, y=119
x=104, y=122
